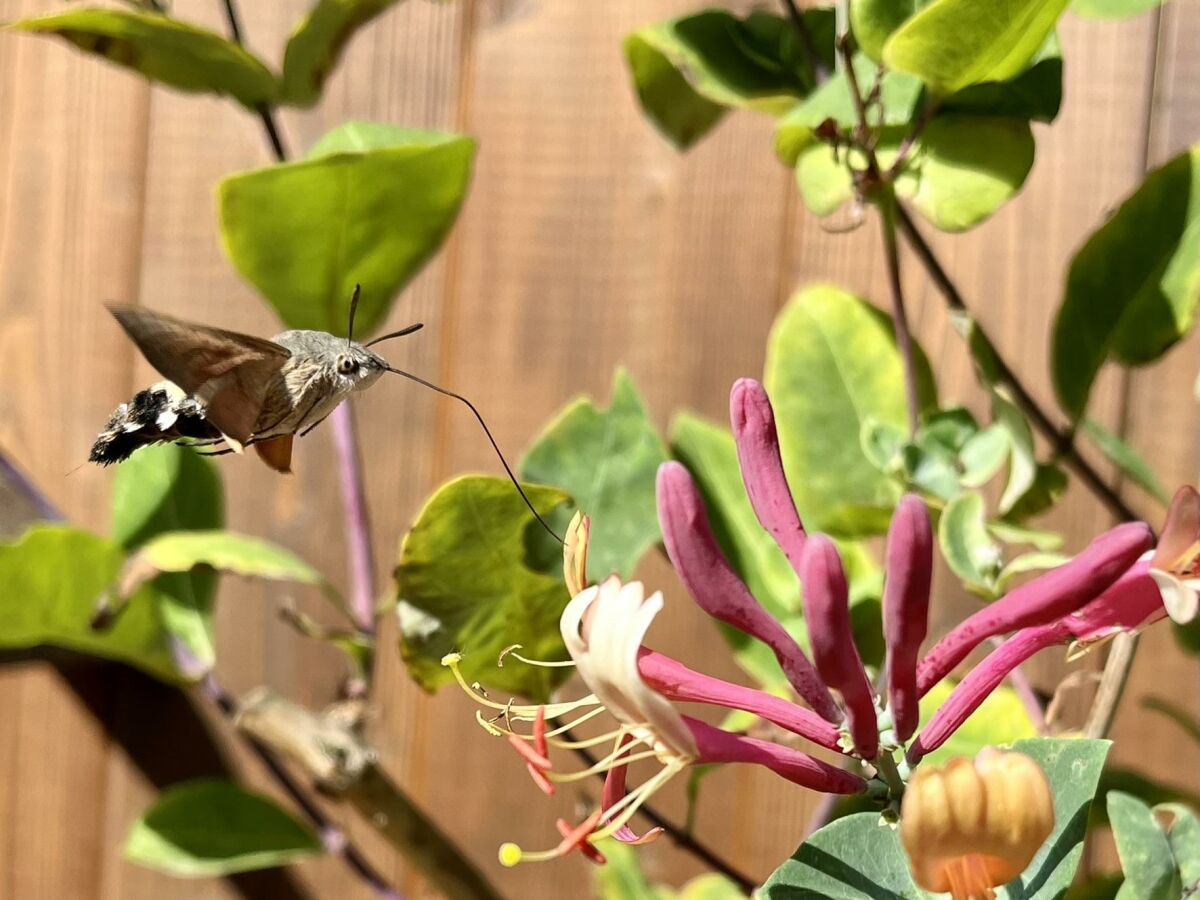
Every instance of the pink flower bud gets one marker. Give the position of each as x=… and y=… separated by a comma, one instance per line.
x=1049, y=597
x=720, y=746
x=714, y=585
x=762, y=467
x=827, y=611
x=906, y=608
x=675, y=681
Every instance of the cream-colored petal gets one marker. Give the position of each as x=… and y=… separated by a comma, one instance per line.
x=1179, y=597
x=655, y=709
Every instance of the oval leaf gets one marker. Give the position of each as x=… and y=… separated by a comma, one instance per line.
x=206, y=828
x=1133, y=287
x=50, y=582
x=317, y=42
x=951, y=44
x=873, y=22
x=966, y=545
x=306, y=233
x=607, y=461
x=163, y=49
x=832, y=364
x=1146, y=858
x=464, y=585
x=227, y=551
x=1000, y=719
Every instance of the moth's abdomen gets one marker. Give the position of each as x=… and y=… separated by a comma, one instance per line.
x=160, y=414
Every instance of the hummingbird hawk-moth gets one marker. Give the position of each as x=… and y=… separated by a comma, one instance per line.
x=228, y=388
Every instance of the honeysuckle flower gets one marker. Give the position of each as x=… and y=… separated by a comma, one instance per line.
x=970, y=826
x=1175, y=566
x=603, y=627
x=909, y=568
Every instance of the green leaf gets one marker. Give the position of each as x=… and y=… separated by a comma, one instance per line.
x=687, y=71
x=964, y=168
x=464, y=586
x=1132, y=289
x=983, y=456
x=1000, y=719
x=857, y=858
x=1035, y=94
x=168, y=488
x=162, y=49
x=306, y=233
x=317, y=43
x=1112, y=9
x=832, y=364
x=211, y=827
x=824, y=180
x=1022, y=465
x=1146, y=858
x=833, y=99
x=227, y=551
x=1149, y=791
x=1100, y=887
x=607, y=460
x=951, y=44
x=966, y=545
x=50, y=582
x=1049, y=483
x=873, y=22
x=1126, y=459
x=621, y=877
x=1184, y=836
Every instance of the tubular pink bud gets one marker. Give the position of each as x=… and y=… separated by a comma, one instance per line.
x=906, y=608
x=1053, y=595
x=714, y=585
x=981, y=681
x=1131, y=603
x=675, y=681
x=827, y=611
x=720, y=746
x=762, y=467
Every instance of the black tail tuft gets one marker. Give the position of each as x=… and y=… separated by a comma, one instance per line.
x=159, y=414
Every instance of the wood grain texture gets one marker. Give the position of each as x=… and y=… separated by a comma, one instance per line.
x=586, y=242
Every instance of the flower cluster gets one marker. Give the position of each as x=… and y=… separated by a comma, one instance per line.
x=1113, y=585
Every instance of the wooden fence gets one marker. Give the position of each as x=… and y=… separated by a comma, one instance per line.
x=586, y=242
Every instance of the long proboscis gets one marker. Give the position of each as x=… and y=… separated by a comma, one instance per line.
x=487, y=431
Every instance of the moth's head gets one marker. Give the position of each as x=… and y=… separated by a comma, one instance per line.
x=355, y=367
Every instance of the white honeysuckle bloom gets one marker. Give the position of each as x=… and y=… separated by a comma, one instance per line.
x=1181, y=596
x=604, y=646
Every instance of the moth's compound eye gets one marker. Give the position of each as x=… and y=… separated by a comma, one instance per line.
x=347, y=365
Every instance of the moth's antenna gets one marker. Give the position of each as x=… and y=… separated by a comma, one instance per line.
x=395, y=334
x=353, y=310
x=488, y=432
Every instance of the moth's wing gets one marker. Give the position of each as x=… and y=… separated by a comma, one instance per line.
x=230, y=372
x=276, y=452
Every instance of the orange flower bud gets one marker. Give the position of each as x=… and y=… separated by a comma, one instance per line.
x=970, y=826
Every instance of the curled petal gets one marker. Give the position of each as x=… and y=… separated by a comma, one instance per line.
x=717, y=589
x=906, y=608
x=1057, y=593
x=675, y=681
x=762, y=467
x=614, y=792
x=575, y=549
x=981, y=681
x=720, y=746
x=827, y=611
x=1181, y=531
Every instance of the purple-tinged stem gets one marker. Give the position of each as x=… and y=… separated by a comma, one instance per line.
x=720, y=746
x=827, y=612
x=361, y=556
x=675, y=681
x=718, y=590
x=766, y=483
x=40, y=502
x=979, y=683
x=1057, y=593
x=909, y=571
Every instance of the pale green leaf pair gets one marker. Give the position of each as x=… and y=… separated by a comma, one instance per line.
x=1158, y=861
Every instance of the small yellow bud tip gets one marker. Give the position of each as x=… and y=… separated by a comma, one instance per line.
x=451, y=659
x=510, y=855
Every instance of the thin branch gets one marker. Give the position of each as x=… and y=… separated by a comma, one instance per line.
x=1063, y=441
x=265, y=112
x=819, y=70
x=887, y=220
x=1112, y=685
x=333, y=837
x=683, y=839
